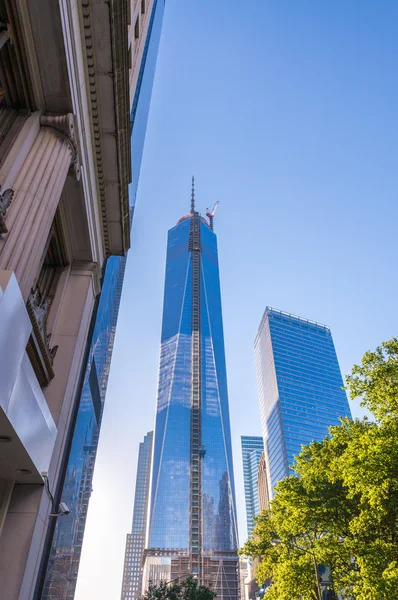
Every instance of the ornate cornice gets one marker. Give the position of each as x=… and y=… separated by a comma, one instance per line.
x=119, y=32
x=118, y=28
x=95, y=118
x=65, y=126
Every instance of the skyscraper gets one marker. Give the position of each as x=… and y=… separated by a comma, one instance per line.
x=300, y=387
x=192, y=521
x=252, y=448
x=60, y=564
x=135, y=542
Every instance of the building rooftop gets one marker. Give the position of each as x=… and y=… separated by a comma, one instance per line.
x=275, y=312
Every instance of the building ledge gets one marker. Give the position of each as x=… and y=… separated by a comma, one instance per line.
x=106, y=41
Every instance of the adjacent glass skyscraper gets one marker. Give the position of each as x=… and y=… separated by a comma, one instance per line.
x=252, y=449
x=300, y=387
x=61, y=572
x=192, y=521
x=135, y=543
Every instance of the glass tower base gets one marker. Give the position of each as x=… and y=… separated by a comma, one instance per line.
x=220, y=571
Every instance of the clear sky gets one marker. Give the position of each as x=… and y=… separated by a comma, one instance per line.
x=286, y=112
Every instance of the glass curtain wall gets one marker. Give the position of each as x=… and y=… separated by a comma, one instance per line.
x=300, y=387
x=192, y=524
x=170, y=497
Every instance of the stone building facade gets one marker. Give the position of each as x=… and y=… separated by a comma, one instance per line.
x=68, y=72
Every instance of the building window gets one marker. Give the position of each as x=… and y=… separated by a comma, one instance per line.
x=143, y=7
x=137, y=28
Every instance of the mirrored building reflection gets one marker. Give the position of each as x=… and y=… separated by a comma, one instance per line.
x=300, y=387
x=192, y=521
x=252, y=449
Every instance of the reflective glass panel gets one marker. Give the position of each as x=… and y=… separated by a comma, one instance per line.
x=170, y=506
x=300, y=387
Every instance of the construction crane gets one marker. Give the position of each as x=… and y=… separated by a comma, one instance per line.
x=210, y=214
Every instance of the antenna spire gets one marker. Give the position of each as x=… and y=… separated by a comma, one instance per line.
x=193, y=195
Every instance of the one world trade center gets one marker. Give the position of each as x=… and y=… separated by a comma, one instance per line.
x=192, y=527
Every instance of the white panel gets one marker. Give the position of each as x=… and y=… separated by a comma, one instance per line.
x=14, y=334
x=24, y=414
x=30, y=417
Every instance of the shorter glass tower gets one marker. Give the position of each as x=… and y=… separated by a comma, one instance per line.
x=252, y=449
x=135, y=543
x=300, y=387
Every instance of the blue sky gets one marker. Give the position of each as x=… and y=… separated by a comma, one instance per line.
x=286, y=112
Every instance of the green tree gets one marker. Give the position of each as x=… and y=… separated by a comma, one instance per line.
x=341, y=507
x=187, y=589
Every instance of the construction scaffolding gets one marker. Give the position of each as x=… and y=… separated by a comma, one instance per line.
x=195, y=528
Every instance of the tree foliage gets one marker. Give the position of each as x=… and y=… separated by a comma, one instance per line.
x=341, y=506
x=187, y=589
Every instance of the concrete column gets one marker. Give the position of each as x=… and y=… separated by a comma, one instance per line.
x=28, y=514
x=37, y=190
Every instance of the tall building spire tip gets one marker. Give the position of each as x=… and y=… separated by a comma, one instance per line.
x=193, y=195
